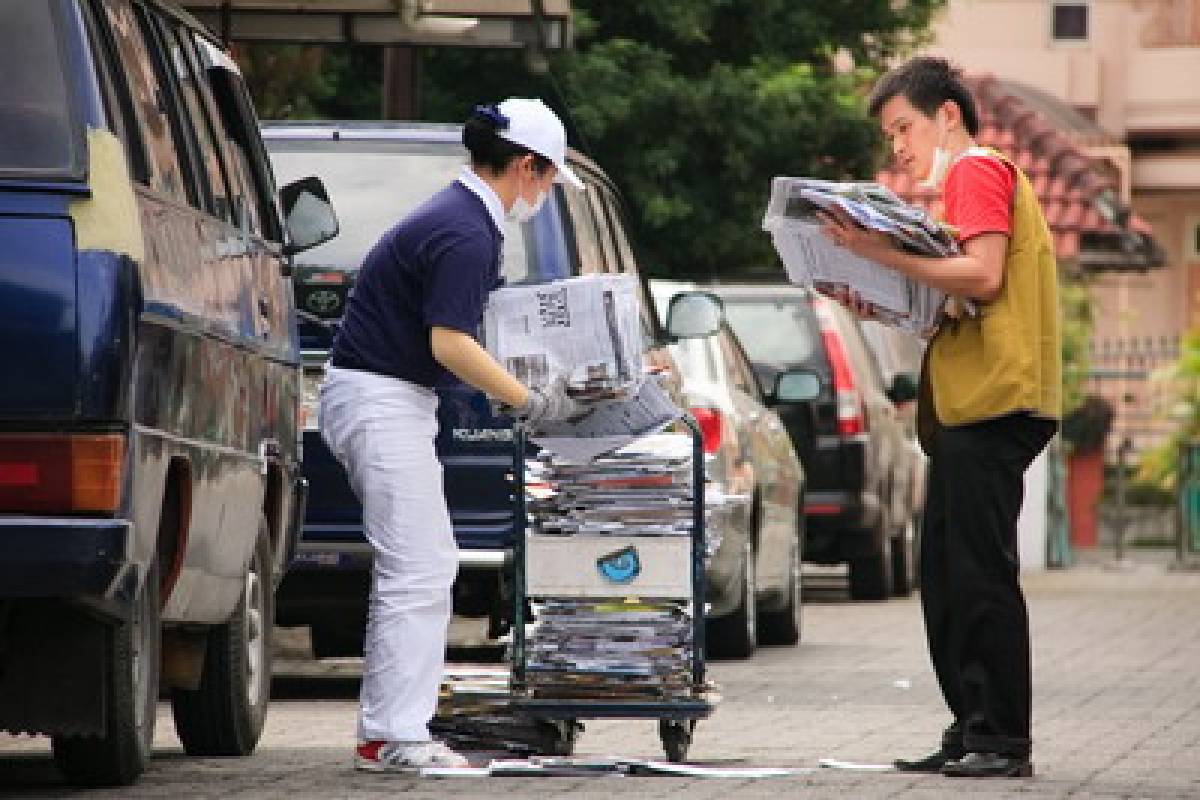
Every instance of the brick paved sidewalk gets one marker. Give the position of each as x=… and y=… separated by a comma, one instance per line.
x=1117, y=713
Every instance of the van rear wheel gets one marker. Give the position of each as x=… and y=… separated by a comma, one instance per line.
x=123, y=752
x=225, y=716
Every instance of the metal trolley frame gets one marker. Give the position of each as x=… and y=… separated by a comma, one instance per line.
x=676, y=717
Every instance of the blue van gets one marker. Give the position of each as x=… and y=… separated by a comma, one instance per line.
x=377, y=172
x=150, y=483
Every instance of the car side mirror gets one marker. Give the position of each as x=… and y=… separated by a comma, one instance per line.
x=308, y=213
x=797, y=386
x=694, y=315
x=904, y=388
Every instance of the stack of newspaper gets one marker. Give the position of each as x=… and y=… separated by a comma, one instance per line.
x=812, y=259
x=613, y=647
x=644, y=489
x=610, y=649
x=585, y=331
x=475, y=712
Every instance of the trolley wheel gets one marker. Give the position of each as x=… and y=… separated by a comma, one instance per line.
x=676, y=736
x=557, y=737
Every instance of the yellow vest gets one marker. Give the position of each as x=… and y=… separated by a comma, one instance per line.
x=1009, y=357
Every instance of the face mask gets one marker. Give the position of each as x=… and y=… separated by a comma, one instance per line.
x=523, y=211
x=941, y=164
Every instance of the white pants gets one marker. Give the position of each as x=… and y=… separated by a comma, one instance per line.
x=382, y=429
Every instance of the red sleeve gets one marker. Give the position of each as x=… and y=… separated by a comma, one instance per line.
x=978, y=196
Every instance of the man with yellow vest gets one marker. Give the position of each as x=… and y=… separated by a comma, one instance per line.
x=991, y=390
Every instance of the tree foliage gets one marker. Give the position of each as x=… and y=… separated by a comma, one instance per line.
x=291, y=81
x=691, y=106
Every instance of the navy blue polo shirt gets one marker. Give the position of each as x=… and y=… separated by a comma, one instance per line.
x=435, y=267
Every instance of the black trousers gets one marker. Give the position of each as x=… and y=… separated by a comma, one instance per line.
x=975, y=614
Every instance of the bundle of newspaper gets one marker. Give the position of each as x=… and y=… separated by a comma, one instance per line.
x=613, y=647
x=607, y=426
x=610, y=649
x=586, y=331
x=644, y=489
x=812, y=260
x=475, y=712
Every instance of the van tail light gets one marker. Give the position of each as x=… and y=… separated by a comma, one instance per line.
x=851, y=420
x=710, y=422
x=61, y=472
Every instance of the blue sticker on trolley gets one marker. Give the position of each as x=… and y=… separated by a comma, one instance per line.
x=620, y=566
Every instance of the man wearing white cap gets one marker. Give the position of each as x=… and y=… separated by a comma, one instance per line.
x=410, y=329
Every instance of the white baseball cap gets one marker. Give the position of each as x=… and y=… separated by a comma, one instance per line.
x=532, y=124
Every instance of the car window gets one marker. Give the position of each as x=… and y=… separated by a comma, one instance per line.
x=612, y=263
x=114, y=89
x=776, y=333
x=36, y=130
x=251, y=182
x=373, y=185
x=200, y=112
x=150, y=103
x=623, y=259
x=588, y=249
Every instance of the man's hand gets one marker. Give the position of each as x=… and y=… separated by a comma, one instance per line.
x=845, y=232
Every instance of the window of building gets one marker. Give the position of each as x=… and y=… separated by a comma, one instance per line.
x=1070, y=22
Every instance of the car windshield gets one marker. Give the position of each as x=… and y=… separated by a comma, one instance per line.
x=372, y=185
x=36, y=131
x=776, y=333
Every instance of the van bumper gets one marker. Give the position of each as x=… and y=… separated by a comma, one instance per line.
x=67, y=557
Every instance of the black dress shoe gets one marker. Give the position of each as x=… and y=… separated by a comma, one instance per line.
x=989, y=765
x=931, y=763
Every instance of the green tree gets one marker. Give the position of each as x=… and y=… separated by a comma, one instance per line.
x=290, y=81
x=691, y=106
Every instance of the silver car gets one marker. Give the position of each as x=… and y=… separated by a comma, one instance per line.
x=754, y=576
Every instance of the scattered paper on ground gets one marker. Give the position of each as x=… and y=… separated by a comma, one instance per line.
x=833, y=763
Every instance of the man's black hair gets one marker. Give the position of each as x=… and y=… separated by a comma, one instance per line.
x=491, y=150
x=927, y=82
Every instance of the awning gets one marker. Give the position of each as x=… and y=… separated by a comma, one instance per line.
x=1094, y=228
x=543, y=24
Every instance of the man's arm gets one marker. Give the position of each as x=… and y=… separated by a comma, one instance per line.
x=471, y=364
x=977, y=273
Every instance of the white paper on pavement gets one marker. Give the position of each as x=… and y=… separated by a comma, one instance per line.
x=608, y=426
x=833, y=763
x=697, y=771
x=586, y=330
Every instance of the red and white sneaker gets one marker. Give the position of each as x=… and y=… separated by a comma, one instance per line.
x=407, y=757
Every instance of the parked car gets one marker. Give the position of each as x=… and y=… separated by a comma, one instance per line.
x=150, y=486
x=850, y=440
x=376, y=173
x=899, y=355
x=754, y=576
